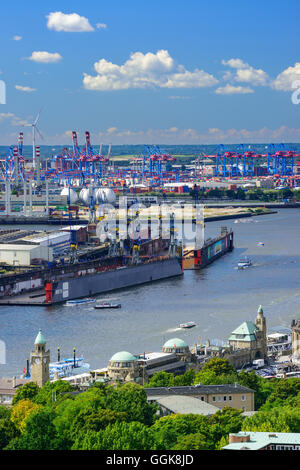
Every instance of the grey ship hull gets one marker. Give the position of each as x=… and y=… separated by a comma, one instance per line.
x=75, y=288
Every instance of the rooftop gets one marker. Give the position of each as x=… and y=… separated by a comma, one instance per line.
x=123, y=356
x=175, y=343
x=245, y=332
x=7, y=384
x=184, y=405
x=259, y=440
x=198, y=389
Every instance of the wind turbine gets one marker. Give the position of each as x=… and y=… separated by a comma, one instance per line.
x=35, y=128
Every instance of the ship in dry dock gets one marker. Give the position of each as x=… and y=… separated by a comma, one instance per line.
x=106, y=268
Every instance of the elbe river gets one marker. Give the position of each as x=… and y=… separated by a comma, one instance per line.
x=218, y=298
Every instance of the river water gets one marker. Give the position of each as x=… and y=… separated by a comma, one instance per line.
x=218, y=298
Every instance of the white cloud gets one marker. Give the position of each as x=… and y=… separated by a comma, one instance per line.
x=101, y=25
x=45, y=57
x=175, y=135
x=111, y=130
x=12, y=119
x=285, y=79
x=27, y=89
x=246, y=73
x=6, y=116
x=146, y=71
x=17, y=38
x=233, y=90
x=178, y=97
x=71, y=23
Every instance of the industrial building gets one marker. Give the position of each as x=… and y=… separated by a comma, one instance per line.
x=59, y=241
x=15, y=254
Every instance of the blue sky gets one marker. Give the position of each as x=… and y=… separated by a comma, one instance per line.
x=151, y=71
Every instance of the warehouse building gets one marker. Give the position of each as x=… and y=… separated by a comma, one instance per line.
x=59, y=241
x=15, y=254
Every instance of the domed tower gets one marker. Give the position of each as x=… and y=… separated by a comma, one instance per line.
x=39, y=361
x=179, y=347
x=123, y=366
x=260, y=323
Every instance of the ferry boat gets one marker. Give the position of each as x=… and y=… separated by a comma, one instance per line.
x=244, y=263
x=189, y=324
x=260, y=244
x=80, y=301
x=68, y=367
x=107, y=305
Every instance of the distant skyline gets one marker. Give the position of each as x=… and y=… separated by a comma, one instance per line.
x=137, y=72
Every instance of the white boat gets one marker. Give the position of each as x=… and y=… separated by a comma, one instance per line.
x=260, y=244
x=189, y=324
x=244, y=263
x=80, y=301
x=68, y=367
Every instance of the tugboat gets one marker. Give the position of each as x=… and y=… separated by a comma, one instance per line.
x=244, y=263
x=107, y=305
x=189, y=324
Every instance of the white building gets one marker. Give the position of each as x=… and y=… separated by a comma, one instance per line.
x=58, y=241
x=23, y=255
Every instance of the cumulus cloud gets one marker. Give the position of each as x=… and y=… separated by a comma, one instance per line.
x=284, y=81
x=45, y=57
x=27, y=89
x=145, y=71
x=12, y=119
x=233, y=90
x=175, y=135
x=70, y=23
x=17, y=38
x=246, y=73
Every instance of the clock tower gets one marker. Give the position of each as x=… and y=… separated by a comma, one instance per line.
x=39, y=361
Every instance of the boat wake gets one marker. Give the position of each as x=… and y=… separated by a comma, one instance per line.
x=171, y=330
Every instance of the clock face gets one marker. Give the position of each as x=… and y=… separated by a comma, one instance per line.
x=37, y=360
x=45, y=360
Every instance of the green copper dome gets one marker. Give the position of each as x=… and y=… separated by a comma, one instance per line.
x=40, y=338
x=175, y=343
x=123, y=356
x=260, y=310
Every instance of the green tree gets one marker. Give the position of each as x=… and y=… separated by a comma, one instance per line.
x=284, y=390
x=53, y=391
x=169, y=429
x=118, y=436
x=195, y=441
x=161, y=379
x=95, y=420
x=211, y=378
x=263, y=387
x=40, y=434
x=218, y=366
x=281, y=419
x=185, y=379
x=29, y=390
x=8, y=432
x=228, y=420
x=21, y=411
x=132, y=399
